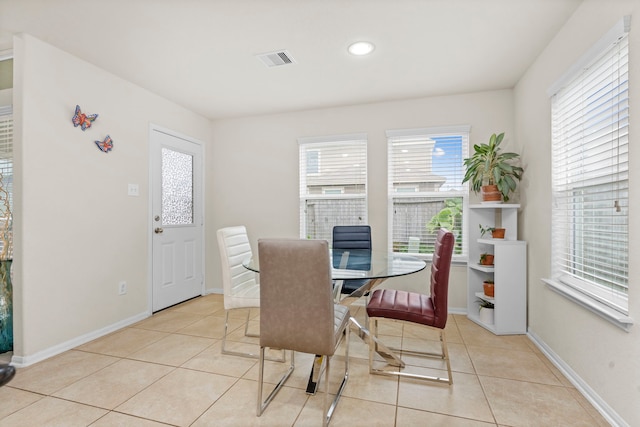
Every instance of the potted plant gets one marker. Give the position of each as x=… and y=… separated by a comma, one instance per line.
x=496, y=233
x=489, y=288
x=489, y=167
x=486, y=312
x=486, y=259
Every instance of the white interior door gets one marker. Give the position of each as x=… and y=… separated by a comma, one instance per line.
x=177, y=218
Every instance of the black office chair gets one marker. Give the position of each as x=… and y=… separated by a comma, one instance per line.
x=351, y=237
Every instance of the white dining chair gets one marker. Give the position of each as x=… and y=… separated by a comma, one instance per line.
x=240, y=287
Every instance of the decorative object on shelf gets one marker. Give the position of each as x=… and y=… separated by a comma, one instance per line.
x=106, y=145
x=486, y=312
x=6, y=288
x=488, y=166
x=496, y=233
x=486, y=259
x=489, y=288
x=83, y=120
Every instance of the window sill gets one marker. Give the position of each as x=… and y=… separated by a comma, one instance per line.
x=620, y=320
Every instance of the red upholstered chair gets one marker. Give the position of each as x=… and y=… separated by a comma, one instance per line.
x=416, y=308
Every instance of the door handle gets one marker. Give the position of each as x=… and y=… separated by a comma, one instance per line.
x=158, y=230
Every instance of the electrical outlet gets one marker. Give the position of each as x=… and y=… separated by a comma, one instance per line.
x=122, y=288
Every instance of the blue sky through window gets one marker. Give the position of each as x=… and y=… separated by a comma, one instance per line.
x=447, y=161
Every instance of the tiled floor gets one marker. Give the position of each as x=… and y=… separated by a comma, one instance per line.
x=168, y=370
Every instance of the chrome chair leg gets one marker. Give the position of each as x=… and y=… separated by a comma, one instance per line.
x=334, y=404
x=373, y=326
x=262, y=405
x=226, y=351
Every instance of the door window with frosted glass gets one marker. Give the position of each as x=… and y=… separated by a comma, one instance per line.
x=177, y=188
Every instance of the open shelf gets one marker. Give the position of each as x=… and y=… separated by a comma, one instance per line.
x=485, y=268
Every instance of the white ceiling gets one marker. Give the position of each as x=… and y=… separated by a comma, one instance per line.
x=201, y=53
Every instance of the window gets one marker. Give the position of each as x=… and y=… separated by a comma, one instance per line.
x=6, y=171
x=590, y=137
x=313, y=162
x=425, y=187
x=333, y=184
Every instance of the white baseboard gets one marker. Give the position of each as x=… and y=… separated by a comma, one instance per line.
x=23, y=361
x=601, y=406
x=454, y=310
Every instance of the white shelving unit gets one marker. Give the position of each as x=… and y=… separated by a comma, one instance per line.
x=508, y=272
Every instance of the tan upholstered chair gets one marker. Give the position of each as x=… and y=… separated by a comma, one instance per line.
x=241, y=290
x=297, y=311
x=415, y=308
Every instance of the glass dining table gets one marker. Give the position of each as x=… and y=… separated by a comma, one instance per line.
x=370, y=268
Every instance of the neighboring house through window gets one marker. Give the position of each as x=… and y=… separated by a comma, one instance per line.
x=333, y=184
x=590, y=142
x=425, y=187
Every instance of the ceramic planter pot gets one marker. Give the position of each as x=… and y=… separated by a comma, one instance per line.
x=490, y=193
x=486, y=259
x=489, y=289
x=498, y=233
x=487, y=315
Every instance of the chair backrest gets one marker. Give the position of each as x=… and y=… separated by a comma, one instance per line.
x=351, y=237
x=296, y=298
x=234, y=246
x=440, y=267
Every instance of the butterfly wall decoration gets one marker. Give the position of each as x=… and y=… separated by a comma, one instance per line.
x=83, y=120
x=106, y=145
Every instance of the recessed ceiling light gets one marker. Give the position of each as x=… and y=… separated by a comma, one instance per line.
x=361, y=48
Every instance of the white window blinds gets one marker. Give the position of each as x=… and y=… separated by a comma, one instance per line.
x=590, y=137
x=333, y=184
x=426, y=169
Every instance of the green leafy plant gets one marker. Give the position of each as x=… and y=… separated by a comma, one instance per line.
x=484, y=303
x=449, y=217
x=489, y=166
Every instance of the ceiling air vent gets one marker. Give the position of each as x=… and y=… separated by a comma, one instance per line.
x=275, y=59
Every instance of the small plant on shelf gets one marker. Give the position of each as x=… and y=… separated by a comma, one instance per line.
x=489, y=288
x=486, y=313
x=496, y=233
x=485, y=304
x=486, y=259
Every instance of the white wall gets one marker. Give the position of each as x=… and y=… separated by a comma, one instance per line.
x=77, y=232
x=253, y=174
x=605, y=359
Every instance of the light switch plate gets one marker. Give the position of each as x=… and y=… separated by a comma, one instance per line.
x=133, y=190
